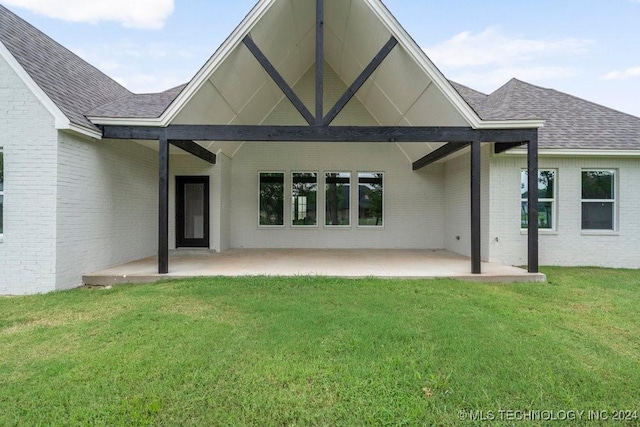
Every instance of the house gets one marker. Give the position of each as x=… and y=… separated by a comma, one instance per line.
x=336, y=132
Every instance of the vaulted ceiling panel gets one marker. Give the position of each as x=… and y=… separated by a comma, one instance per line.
x=206, y=107
x=276, y=34
x=365, y=33
x=239, y=77
x=382, y=108
x=337, y=15
x=304, y=12
x=433, y=109
x=401, y=79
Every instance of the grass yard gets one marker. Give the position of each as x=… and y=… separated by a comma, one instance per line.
x=318, y=351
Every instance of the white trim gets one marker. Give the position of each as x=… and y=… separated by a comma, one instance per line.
x=578, y=152
x=393, y=26
x=292, y=207
x=553, y=200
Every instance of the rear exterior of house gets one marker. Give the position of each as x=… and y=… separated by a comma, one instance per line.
x=74, y=202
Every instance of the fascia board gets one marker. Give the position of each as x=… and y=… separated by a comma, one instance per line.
x=577, y=152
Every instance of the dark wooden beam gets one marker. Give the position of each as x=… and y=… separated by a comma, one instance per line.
x=532, y=201
x=319, y=62
x=506, y=146
x=476, y=208
x=163, y=207
x=319, y=133
x=362, y=78
x=439, y=154
x=279, y=80
x=193, y=148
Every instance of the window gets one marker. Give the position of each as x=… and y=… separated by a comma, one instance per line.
x=546, y=199
x=598, y=200
x=1, y=188
x=304, y=197
x=370, y=199
x=337, y=199
x=271, y=199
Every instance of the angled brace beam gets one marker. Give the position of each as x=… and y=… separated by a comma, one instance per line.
x=193, y=148
x=279, y=80
x=362, y=78
x=439, y=154
x=502, y=147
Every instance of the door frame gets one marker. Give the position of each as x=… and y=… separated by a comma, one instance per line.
x=181, y=241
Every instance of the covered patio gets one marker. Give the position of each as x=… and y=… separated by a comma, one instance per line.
x=346, y=263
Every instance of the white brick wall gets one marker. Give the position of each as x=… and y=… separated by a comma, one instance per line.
x=28, y=140
x=107, y=204
x=568, y=245
x=457, y=194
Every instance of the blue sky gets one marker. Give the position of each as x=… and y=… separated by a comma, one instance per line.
x=589, y=48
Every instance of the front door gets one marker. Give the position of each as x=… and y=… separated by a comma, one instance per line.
x=192, y=211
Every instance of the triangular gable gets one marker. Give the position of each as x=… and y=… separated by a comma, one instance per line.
x=406, y=90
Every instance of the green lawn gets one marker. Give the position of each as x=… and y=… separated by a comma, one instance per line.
x=318, y=351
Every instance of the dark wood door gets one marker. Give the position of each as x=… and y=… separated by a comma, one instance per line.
x=192, y=211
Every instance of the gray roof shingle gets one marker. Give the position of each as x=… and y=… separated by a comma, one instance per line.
x=570, y=122
x=148, y=105
x=70, y=82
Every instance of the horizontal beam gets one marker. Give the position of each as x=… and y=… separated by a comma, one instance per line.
x=319, y=133
x=193, y=148
x=506, y=146
x=439, y=154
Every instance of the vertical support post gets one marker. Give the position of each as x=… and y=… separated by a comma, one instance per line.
x=476, y=224
x=319, y=62
x=532, y=202
x=163, y=207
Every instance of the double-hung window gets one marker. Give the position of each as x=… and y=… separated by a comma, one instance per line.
x=1, y=189
x=546, y=199
x=598, y=200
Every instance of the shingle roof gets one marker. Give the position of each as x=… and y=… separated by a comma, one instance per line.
x=70, y=82
x=148, y=105
x=570, y=122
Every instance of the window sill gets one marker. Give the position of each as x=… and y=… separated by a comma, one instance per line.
x=599, y=233
x=541, y=232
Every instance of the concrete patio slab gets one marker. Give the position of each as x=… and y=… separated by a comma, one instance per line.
x=350, y=263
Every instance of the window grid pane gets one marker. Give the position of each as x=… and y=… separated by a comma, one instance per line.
x=338, y=199
x=370, y=199
x=271, y=199
x=304, y=196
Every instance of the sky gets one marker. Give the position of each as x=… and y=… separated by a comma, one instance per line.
x=588, y=48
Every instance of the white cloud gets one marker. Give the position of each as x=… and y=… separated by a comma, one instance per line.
x=493, y=47
x=624, y=74
x=130, y=13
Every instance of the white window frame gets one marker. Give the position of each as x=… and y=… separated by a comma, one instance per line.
x=357, y=196
x=553, y=201
x=284, y=201
x=613, y=201
x=291, y=206
x=326, y=186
